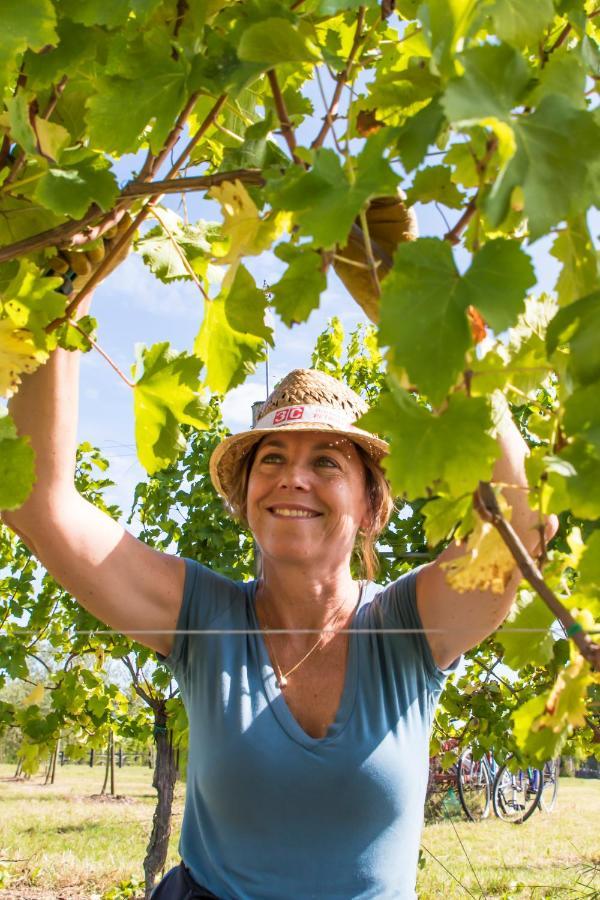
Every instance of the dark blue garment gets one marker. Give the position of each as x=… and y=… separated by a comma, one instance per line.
x=272, y=813
x=178, y=884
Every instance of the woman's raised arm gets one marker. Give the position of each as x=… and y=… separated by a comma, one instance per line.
x=119, y=579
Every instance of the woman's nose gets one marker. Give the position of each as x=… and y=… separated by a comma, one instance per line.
x=293, y=475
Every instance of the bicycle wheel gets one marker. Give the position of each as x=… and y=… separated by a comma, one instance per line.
x=474, y=786
x=549, y=791
x=515, y=795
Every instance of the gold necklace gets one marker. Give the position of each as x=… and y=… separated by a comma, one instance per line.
x=282, y=677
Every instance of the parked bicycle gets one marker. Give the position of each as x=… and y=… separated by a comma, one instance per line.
x=475, y=786
x=518, y=792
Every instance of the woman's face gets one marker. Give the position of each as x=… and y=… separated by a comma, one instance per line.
x=306, y=497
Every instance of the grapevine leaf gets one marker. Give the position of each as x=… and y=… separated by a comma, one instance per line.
x=147, y=90
x=582, y=414
x=96, y=12
x=487, y=564
x=579, y=489
x=442, y=515
x=20, y=124
x=165, y=397
x=434, y=185
x=245, y=306
x=327, y=201
x=548, y=154
x=479, y=95
x=25, y=23
x=163, y=253
x=589, y=567
x=71, y=192
x=423, y=317
x=578, y=325
x=520, y=22
x=274, y=41
x=229, y=355
x=538, y=744
x=299, y=289
x=580, y=271
x=418, y=133
x=17, y=464
x=524, y=647
x=424, y=302
x=446, y=25
x=496, y=283
x=18, y=354
x=243, y=230
x=418, y=458
x=31, y=301
x=35, y=697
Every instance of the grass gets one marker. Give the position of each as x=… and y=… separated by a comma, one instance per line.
x=62, y=842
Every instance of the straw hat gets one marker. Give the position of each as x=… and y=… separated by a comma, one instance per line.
x=305, y=400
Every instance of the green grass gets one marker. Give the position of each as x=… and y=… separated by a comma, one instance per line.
x=69, y=844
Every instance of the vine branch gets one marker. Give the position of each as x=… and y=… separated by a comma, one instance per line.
x=453, y=236
x=340, y=82
x=487, y=506
x=282, y=114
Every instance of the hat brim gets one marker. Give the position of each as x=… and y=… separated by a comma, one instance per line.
x=229, y=454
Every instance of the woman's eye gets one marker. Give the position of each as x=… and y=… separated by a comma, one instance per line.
x=327, y=461
x=271, y=457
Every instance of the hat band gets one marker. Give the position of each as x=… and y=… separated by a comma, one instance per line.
x=287, y=415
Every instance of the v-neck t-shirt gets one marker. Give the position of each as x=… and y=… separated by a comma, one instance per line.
x=273, y=813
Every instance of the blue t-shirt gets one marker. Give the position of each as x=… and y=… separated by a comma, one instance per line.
x=272, y=813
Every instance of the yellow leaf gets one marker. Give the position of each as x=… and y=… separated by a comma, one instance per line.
x=245, y=232
x=487, y=564
x=566, y=703
x=18, y=354
x=35, y=697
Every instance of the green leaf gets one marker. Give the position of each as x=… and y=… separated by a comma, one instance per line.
x=229, y=355
x=96, y=12
x=17, y=465
x=579, y=492
x=327, y=200
x=275, y=41
x=497, y=281
x=589, y=566
x=419, y=458
x=442, y=515
x=162, y=252
x=558, y=179
x=299, y=289
x=424, y=302
x=418, y=133
x=564, y=73
x=480, y=94
x=578, y=325
x=71, y=192
x=165, y=397
x=446, y=23
x=147, y=90
x=522, y=648
x=70, y=338
x=31, y=301
x=434, y=184
x=245, y=307
x=25, y=23
x=520, y=22
x=580, y=271
x=20, y=125
x=582, y=414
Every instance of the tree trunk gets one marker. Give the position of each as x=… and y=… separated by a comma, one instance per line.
x=165, y=775
x=54, y=758
x=92, y=758
x=49, y=768
x=19, y=767
x=112, y=763
x=107, y=766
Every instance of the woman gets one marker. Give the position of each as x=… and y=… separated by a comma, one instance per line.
x=308, y=731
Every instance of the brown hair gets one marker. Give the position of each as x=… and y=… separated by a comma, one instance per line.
x=379, y=497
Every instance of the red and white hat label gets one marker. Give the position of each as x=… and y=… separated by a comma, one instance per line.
x=287, y=415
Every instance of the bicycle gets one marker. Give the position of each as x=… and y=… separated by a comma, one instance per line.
x=516, y=794
x=475, y=778
x=549, y=793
